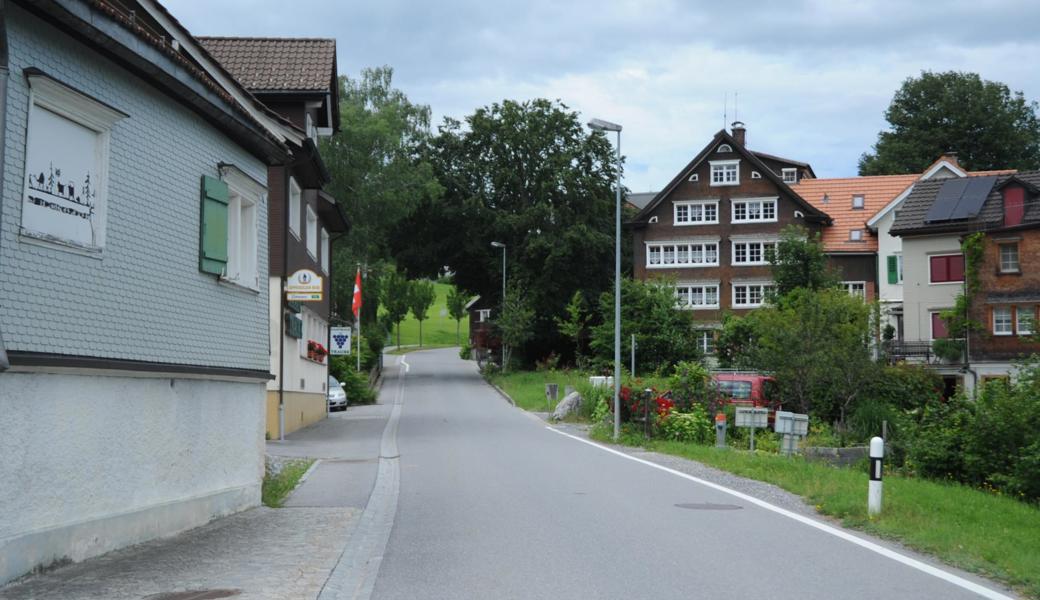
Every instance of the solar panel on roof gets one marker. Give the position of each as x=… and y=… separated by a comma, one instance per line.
x=959, y=199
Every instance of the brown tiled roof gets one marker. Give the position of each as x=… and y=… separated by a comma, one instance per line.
x=276, y=64
x=834, y=197
x=910, y=219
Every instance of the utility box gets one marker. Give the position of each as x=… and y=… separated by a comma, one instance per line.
x=789, y=423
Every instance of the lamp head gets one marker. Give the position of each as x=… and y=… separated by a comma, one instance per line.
x=498, y=244
x=601, y=125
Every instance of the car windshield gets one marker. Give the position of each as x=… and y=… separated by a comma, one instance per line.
x=333, y=384
x=738, y=390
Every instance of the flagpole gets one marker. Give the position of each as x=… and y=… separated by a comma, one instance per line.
x=359, y=327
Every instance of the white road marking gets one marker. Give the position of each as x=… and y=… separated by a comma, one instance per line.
x=901, y=558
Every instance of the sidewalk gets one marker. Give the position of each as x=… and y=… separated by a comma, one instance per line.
x=262, y=553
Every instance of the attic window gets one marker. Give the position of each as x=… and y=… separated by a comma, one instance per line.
x=694, y=177
x=855, y=235
x=857, y=201
x=756, y=175
x=725, y=148
x=789, y=175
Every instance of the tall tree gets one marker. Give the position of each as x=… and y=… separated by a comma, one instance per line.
x=799, y=262
x=529, y=175
x=987, y=125
x=420, y=299
x=396, y=297
x=457, y=309
x=378, y=174
x=514, y=323
x=575, y=326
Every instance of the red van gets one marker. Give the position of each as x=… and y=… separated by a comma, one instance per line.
x=747, y=388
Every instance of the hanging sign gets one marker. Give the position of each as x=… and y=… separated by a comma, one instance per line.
x=340, y=337
x=303, y=286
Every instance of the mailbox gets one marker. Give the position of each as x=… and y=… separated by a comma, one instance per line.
x=752, y=417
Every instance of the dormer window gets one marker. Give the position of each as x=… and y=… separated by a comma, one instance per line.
x=789, y=175
x=857, y=202
x=855, y=235
x=724, y=148
x=725, y=172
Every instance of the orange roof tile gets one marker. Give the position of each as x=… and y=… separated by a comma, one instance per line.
x=834, y=197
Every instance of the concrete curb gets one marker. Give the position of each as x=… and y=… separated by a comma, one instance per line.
x=501, y=392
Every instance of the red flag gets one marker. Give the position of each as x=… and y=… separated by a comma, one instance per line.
x=357, y=294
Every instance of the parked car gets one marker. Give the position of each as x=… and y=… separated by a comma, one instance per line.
x=337, y=395
x=747, y=388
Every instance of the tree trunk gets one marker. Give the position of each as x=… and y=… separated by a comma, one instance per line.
x=398, y=334
x=458, y=328
x=420, y=334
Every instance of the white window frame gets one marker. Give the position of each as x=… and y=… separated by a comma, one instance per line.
x=789, y=174
x=756, y=175
x=312, y=233
x=931, y=325
x=1031, y=312
x=765, y=288
x=701, y=337
x=53, y=96
x=761, y=244
x=862, y=202
x=724, y=148
x=246, y=200
x=483, y=315
x=856, y=288
x=1017, y=268
x=685, y=299
x=723, y=167
x=325, y=251
x=674, y=250
x=762, y=202
x=1010, y=321
x=295, y=198
x=855, y=235
x=929, y=257
x=688, y=205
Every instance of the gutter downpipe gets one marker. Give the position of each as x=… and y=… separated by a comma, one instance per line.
x=4, y=362
x=284, y=185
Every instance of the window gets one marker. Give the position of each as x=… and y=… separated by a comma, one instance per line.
x=695, y=177
x=855, y=288
x=725, y=148
x=756, y=175
x=705, y=340
x=725, y=172
x=483, y=315
x=938, y=326
x=855, y=235
x=244, y=196
x=753, y=253
x=789, y=175
x=894, y=262
x=1009, y=258
x=946, y=269
x=66, y=165
x=737, y=390
x=696, y=212
x=760, y=210
x=1025, y=318
x=1002, y=320
x=671, y=254
x=750, y=295
x=857, y=202
x=312, y=233
x=295, y=197
x=314, y=330
x=325, y=250
x=697, y=296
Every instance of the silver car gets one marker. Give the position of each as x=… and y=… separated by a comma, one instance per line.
x=337, y=395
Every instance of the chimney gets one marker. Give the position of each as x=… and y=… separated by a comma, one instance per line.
x=739, y=133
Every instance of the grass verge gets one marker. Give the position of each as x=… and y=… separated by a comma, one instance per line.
x=988, y=534
x=276, y=487
x=527, y=388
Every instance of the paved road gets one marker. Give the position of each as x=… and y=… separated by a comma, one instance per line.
x=492, y=504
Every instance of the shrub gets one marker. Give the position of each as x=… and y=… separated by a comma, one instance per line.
x=466, y=351
x=1002, y=444
x=690, y=385
x=938, y=439
x=692, y=426
x=950, y=350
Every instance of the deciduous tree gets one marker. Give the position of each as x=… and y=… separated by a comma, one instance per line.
x=457, y=309
x=420, y=299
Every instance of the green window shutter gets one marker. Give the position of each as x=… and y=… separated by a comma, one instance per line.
x=893, y=269
x=213, y=234
x=293, y=326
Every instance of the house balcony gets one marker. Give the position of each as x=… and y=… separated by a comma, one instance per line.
x=919, y=351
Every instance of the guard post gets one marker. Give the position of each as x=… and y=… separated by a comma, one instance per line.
x=877, y=455
x=720, y=430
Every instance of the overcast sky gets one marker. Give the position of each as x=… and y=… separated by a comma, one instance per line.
x=813, y=77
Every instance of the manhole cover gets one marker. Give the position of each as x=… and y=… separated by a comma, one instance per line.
x=708, y=506
x=194, y=595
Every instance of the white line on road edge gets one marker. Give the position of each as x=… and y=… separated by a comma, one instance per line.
x=906, y=560
x=354, y=576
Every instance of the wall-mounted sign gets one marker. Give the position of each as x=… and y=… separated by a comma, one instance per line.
x=303, y=286
x=340, y=337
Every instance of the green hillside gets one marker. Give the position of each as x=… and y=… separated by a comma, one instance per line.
x=438, y=328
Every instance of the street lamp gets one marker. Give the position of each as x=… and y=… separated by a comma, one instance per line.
x=604, y=126
x=503, y=247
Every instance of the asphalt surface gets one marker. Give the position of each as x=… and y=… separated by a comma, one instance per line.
x=493, y=504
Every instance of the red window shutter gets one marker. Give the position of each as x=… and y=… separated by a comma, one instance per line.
x=939, y=270
x=938, y=327
x=956, y=268
x=1014, y=205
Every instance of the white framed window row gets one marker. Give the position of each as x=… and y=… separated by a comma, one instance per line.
x=1002, y=320
x=325, y=249
x=312, y=233
x=753, y=210
x=697, y=295
x=1025, y=320
x=66, y=166
x=855, y=288
x=295, y=199
x=751, y=252
x=750, y=294
x=725, y=172
x=245, y=201
x=695, y=212
x=705, y=340
x=682, y=254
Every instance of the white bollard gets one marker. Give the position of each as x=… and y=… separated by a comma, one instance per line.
x=877, y=454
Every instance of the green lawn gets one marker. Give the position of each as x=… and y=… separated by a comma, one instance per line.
x=438, y=329
x=527, y=388
x=992, y=535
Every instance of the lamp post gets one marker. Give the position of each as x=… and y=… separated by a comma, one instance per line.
x=503, y=247
x=604, y=126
